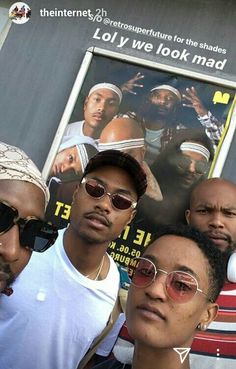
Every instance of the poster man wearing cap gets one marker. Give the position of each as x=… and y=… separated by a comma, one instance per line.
x=65, y=296
x=100, y=106
x=24, y=196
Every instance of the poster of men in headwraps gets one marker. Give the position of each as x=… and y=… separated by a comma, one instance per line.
x=172, y=124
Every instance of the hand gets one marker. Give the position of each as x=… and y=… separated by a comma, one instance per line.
x=194, y=101
x=153, y=189
x=131, y=84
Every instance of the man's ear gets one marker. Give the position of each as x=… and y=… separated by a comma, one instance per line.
x=132, y=215
x=75, y=193
x=208, y=315
x=143, y=150
x=187, y=216
x=85, y=103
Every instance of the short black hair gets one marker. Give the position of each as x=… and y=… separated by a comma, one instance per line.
x=217, y=266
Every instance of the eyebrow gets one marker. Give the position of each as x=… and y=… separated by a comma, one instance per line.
x=120, y=190
x=108, y=98
x=182, y=268
x=212, y=206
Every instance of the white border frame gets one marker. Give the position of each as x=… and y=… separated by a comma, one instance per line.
x=223, y=152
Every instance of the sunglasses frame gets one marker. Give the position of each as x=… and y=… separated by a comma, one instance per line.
x=180, y=159
x=22, y=222
x=109, y=194
x=157, y=271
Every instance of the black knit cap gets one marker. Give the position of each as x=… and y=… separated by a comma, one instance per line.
x=122, y=160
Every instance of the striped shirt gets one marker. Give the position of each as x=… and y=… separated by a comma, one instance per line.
x=215, y=348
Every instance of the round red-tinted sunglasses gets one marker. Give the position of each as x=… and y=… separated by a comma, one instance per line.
x=180, y=286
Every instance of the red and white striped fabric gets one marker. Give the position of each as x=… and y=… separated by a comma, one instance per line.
x=215, y=348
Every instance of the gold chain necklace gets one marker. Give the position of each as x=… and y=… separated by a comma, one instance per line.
x=98, y=270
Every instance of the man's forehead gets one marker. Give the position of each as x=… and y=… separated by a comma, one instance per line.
x=103, y=172
x=193, y=155
x=220, y=191
x=105, y=93
x=120, y=129
x=124, y=181
x=162, y=92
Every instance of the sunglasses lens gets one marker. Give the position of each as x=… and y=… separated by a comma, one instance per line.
x=201, y=167
x=38, y=235
x=181, y=286
x=121, y=202
x=94, y=189
x=143, y=274
x=7, y=216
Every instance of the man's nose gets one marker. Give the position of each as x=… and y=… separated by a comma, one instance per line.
x=104, y=203
x=192, y=166
x=216, y=220
x=101, y=105
x=10, y=245
x=161, y=101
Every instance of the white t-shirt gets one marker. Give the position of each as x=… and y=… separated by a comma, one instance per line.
x=75, y=129
x=54, y=313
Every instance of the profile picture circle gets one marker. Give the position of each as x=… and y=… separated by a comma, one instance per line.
x=19, y=13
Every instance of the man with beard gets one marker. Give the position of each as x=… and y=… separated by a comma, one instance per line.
x=24, y=196
x=100, y=106
x=213, y=211
x=183, y=163
x=160, y=114
x=6, y=278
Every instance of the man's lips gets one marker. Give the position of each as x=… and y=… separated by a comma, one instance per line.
x=98, y=116
x=218, y=236
x=150, y=312
x=221, y=240
x=98, y=219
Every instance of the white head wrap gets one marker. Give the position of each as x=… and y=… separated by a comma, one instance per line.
x=108, y=86
x=16, y=165
x=70, y=141
x=133, y=143
x=169, y=88
x=84, y=152
x=195, y=147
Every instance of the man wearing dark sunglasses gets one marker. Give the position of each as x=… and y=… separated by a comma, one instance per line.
x=184, y=163
x=65, y=296
x=23, y=198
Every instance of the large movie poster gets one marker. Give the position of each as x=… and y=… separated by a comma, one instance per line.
x=171, y=123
